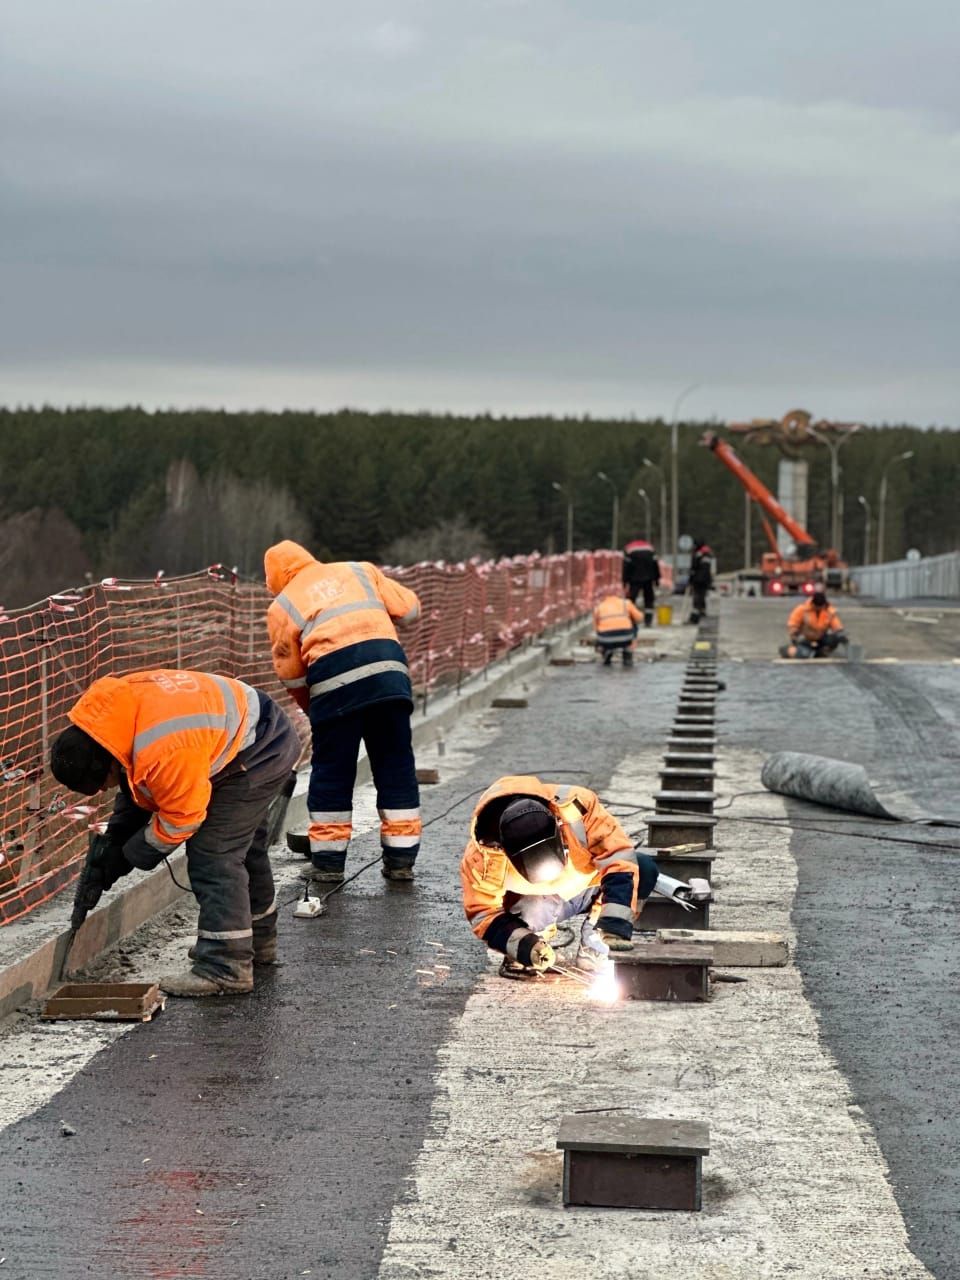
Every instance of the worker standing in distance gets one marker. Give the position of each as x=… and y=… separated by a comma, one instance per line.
x=701, y=578
x=335, y=648
x=814, y=628
x=641, y=573
x=615, y=621
x=198, y=758
x=540, y=853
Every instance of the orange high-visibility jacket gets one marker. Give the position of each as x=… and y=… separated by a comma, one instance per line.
x=172, y=731
x=599, y=853
x=616, y=617
x=811, y=623
x=331, y=629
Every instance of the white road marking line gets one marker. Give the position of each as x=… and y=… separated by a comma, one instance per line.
x=794, y=1185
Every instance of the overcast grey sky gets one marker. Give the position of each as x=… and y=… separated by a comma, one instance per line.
x=513, y=205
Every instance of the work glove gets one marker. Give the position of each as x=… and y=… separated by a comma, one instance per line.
x=104, y=866
x=140, y=853
x=106, y=858
x=593, y=952
x=700, y=890
x=542, y=956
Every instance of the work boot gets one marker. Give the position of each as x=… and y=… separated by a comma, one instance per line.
x=607, y=657
x=265, y=953
x=196, y=984
x=299, y=842
x=627, y=658
x=396, y=871
x=322, y=875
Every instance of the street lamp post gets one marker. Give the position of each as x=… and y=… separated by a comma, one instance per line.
x=615, y=525
x=881, y=514
x=642, y=493
x=866, y=529
x=836, y=524
x=674, y=480
x=648, y=462
x=561, y=490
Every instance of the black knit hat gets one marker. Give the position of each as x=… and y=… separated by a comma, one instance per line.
x=79, y=762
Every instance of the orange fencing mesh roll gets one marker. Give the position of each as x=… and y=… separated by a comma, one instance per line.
x=51, y=652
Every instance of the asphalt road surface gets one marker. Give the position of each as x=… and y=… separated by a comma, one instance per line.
x=273, y=1136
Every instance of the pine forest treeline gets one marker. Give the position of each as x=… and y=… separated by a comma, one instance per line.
x=128, y=491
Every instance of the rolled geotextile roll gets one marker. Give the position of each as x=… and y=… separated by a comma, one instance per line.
x=834, y=783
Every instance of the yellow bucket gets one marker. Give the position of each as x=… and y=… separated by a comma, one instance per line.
x=664, y=615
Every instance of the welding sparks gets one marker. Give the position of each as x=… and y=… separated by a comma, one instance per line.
x=605, y=988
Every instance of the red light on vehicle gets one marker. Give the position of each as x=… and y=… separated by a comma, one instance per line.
x=776, y=587
x=809, y=588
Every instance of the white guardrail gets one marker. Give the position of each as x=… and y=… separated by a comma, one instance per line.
x=903, y=579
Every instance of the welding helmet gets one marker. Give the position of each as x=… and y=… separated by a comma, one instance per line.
x=530, y=835
x=819, y=600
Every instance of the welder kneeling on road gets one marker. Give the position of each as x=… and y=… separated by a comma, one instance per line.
x=540, y=853
x=615, y=620
x=335, y=648
x=198, y=759
x=815, y=629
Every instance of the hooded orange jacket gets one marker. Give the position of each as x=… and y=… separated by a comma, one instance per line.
x=332, y=632
x=172, y=731
x=599, y=853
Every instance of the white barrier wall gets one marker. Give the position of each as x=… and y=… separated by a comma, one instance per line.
x=903, y=579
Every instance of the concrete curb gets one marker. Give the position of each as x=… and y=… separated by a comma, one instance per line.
x=31, y=973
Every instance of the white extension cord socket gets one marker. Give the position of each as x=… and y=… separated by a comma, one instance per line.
x=309, y=908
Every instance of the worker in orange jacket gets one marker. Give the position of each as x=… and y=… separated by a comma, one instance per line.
x=335, y=648
x=540, y=853
x=615, y=622
x=198, y=759
x=814, y=628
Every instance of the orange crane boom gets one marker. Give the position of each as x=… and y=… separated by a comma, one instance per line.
x=791, y=572
x=760, y=494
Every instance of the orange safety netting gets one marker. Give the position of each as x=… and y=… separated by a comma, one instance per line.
x=51, y=652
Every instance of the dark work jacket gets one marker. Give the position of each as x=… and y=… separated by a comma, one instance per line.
x=640, y=564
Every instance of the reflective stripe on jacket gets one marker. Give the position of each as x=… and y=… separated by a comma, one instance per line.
x=172, y=731
x=812, y=623
x=599, y=852
x=332, y=632
x=616, y=618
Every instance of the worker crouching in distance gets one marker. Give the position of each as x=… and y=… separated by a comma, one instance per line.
x=641, y=573
x=815, y=629
x=540, y=853
x=335, y=648
x=615, y=620
x=198, y=759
